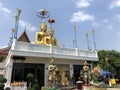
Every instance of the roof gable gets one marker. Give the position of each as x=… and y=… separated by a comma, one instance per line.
x=24, y=37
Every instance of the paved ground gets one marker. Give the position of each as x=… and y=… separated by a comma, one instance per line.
x=105, y=89
x=96, y=88
x=113, y=89
x=99, y=89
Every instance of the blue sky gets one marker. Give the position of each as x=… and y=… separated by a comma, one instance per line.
x=101, y=15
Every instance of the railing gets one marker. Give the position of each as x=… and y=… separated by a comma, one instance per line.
x=29, y=47
x=64, y=51
x=21, y=46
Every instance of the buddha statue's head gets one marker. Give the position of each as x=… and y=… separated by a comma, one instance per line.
x=43, y=26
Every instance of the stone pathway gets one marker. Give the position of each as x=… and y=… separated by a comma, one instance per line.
x=96, y=88
x=113, y=88
x=105, y=89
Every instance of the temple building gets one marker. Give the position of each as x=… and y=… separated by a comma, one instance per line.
x=26, y=57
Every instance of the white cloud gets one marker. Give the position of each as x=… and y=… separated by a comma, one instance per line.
x=81, y=16
x=114, y=4
x=82, y=3
x=28, y=26
x=4, y=9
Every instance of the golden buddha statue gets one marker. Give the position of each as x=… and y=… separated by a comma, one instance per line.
x=43, y=38
x=39, y=37
x=64, y=79
x=52, y=73
x=86, y=73
x=50, y=39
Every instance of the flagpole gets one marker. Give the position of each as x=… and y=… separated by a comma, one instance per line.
x=16, y=23
x=74, y=26
x=73, y=43
x=93, y=33
x=87, y=41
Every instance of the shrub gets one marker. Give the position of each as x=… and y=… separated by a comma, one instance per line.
x=7, y=88
x=30, y=76
x=3, y=80
x=2, y=86
x=36, y=86
x=29, y=88
x=1, y=58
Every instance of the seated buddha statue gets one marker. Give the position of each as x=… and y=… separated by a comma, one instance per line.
x=50, y=39
x=39, y=37
x=43, y=38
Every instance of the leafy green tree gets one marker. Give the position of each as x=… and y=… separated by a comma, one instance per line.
x=109, y=60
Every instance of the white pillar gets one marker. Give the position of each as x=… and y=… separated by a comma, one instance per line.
x=76, y=50
x=14, y=44
x=46, y=74
x=8, y=73
x=51, y=48
x=71, y=70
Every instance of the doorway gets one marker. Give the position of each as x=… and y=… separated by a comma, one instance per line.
x=76, y=71
x=21, y=70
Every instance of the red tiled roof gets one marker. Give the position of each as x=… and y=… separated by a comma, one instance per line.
x=4, y=51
